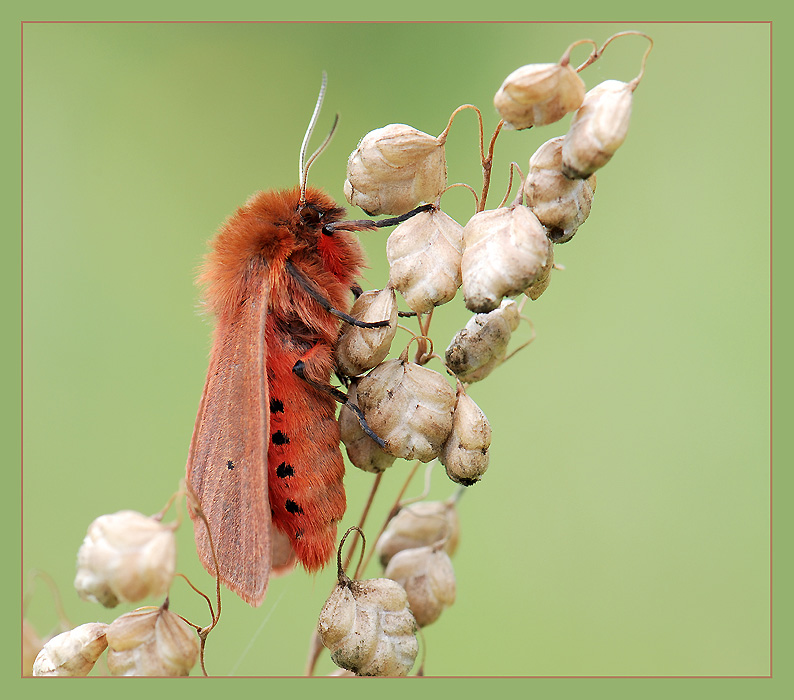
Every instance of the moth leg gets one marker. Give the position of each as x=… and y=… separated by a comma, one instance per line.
x=314, y=293
x=301, y=369
x=357, y=292
x=369, y=225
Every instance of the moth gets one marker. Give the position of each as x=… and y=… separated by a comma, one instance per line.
x=264, y=461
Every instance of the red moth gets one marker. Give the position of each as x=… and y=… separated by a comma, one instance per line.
x=265, y=449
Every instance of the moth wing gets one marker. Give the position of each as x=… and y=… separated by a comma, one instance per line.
x=227, y=463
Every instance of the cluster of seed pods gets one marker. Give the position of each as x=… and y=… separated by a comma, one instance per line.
x=125, y=557
x=422, y=414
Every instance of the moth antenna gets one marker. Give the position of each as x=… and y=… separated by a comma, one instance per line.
x=303, y=166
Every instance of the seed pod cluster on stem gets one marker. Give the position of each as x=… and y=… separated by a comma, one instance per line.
x=367, y=625
x=499, y=253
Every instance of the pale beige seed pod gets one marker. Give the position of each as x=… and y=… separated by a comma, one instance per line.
x=561, y=204
x=409, y=407
x=419, y=525
x=427, y=575
x=361, y=349
x=539, y=94
x=541, y=284
x=151, y=642
x=394, y=168
x=368, y=627
x=598, y=128
x=362, y=450
x=505, y=251
x=125, y=556
x=465, y=453
x=424, y=255
x=481, y=346
x=72, y=653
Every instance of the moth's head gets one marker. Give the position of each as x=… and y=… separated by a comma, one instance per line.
x=315, y=209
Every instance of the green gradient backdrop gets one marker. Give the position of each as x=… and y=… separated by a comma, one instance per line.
x=623, y=527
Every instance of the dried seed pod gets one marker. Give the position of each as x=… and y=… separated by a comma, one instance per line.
x=544, y=278
x=419, y=525
x=465, y=453
x=424, y=255
x=393, y=169
x=151, y=642
x=409, y=407
x=368, y=627
x=505, y=251
x=428, y=578
x=72, y=653
x=539, y=94
x=125, y=556
x=362, y=450
x=480, y=347
x=561, y=204
x=598, y=128
x=361, y=349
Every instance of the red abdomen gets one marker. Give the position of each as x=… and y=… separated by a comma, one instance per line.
x=305, y=466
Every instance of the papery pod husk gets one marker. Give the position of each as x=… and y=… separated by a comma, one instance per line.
x=362, y=450
x=151, y=642
x=393, y=169
x=505, y=251
x=480, y=347
x=562, y=205
x=465, y=453
x=419, y=525
x=368, y=628
x=541, y=284
x=427, y=575
x=360, y=349
x=125, y=556
x=409, y=407
x=72, y=653
x=597, y=129
x=538, y=94
x=424, y=254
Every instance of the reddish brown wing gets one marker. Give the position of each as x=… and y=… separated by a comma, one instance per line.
x=227, y=464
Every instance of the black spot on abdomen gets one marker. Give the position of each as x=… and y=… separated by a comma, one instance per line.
x=293, y=507
x=279, y=438
x=284, y=470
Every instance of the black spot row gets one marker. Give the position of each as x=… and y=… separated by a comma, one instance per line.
x=284, y=470
x=293, y=507
x=229, y=464
x=279, y=438
x=276, y=406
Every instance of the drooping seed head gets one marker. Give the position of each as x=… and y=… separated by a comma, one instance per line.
x=72, y=653
x=369, y=629
x=408, y=406
x=419, y=525
x=362, y=450
x=427, y=575
x=561, y=204
x=125, y=556
x=361, y=349
x=424, y=255
x=539, y=94
x=597, y=129
x=505, y=251
x=465, y=453
x=393, y=169
x=151, y=642
x=480, y=347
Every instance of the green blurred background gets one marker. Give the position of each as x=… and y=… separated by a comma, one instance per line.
x=623, y=526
